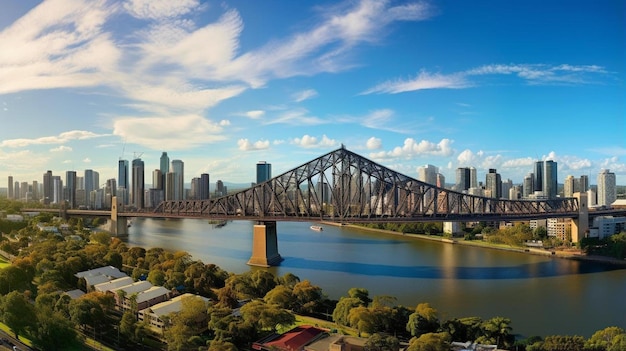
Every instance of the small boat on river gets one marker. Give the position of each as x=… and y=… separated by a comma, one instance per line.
x=317, y=228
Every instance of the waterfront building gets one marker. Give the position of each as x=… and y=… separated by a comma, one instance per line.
x=559, y=228
x=138, y=184
x=178, y=169
x=263, y=171
x=169, y=186
x=606, y=188
x=70, y=189
x=605, y=226
x=200, y=187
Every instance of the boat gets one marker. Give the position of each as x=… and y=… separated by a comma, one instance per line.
x=317, y=228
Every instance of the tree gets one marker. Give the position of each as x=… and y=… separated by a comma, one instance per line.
x=430, y=342
x=221, y=345
x=53, y=331
x=266, y=316
x=499, y=328
x=605, y=339
x=186, y=323
x=282, y=296
x=18, y=313
x=362, y=318
x=308, y=297
x=342, y=309
x=423, y=320
x=380, y=342
x=361, y=294
x=156, y=277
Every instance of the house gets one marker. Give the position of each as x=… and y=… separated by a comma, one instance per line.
x=338, y=342
x=294, y=340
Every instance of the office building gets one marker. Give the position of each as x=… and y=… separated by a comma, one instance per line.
x=549, y=184
x=10, y=188
x=178, y=169
x=35, y=191
x=70, y=189
x=157, y=179
x=48, y=188
x=528, y=188
x=138, y=184
x=220, y=189
x=606, y=188
x=493, y=184
x=164, y=167
x=581, y=184
x=568, y=186
x=463, y=179
x=538, y=176
x=57, y=190
x=203, y=192
x=263, y=172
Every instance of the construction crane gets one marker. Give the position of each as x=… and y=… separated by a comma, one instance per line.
x=137, y=155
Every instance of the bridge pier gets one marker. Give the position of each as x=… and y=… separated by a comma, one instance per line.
x=264, y=245
x=580, y=225
x=118, y=225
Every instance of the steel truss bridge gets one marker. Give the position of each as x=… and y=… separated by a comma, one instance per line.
x=342, y=186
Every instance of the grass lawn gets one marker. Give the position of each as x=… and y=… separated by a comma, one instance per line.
x=305, y=320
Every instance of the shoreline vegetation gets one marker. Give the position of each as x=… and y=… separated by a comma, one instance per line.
x=571, y=253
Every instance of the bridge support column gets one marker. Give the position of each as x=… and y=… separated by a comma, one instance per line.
x=265, y=245
x=580, y=225
x=119, y=225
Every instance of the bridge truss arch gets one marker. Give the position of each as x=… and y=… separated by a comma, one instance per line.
x=344, y=186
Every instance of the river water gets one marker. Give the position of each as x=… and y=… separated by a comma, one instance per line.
x=541, y=295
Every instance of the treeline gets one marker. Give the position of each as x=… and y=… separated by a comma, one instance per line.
x=32, y=305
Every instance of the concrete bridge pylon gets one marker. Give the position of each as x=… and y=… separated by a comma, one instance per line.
x=580, y=225
x=119, y=225
x=264, y=245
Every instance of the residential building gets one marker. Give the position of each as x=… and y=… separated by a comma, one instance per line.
x=569, y=186
x=154, y=315
x=606, y=188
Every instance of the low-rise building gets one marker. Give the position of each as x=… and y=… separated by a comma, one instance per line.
x=99, y=275
x=295, y=339
x=155, y=314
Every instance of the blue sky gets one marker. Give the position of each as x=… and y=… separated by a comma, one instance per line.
x=222, y=85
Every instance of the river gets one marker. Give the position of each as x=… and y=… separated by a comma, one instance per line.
x=541, y=295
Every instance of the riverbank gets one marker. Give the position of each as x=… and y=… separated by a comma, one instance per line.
x=570, y=254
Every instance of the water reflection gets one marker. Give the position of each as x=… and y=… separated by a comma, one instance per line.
x=545, y=269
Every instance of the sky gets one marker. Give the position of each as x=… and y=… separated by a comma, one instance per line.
x=222, y=85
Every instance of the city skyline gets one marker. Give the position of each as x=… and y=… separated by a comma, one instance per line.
x=221, y=86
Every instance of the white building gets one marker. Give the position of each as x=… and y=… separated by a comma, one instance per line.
x=154, y=315
x=605, y=226
x=606, y=188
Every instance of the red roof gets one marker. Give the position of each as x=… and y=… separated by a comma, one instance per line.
x=296, y=338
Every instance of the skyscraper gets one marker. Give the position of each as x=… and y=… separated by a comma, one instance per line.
x=138, y=183
x=164, y=167
x=568, y=186
x=428, y=174
x=70, y=188
x=122, y=181
x=10, y=188
x=48, y=188
x=538, y=176
x=178, y=168
x=463, y=179
x=550, y=185
x=90, y=186
x=528, y=188
x=606, y=188
x=263, y=171
x=203, y=191
x=493, y=184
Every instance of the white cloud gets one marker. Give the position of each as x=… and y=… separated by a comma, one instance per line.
x=299, y=117
x=171, y=133
x=374, y=143
x=255, y=114
x=304, y=95
x=530, y=73
x=246, y=145
x=87, y=160
x=467, y=157
x=424, y=80
x=308, y=142
x=158, y=9
x=526, y=162
x=58, y=139
x=61, y=148
x=414, y=149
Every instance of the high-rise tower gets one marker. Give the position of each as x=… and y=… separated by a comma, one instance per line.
x=550, y=186
x=606, y=188
x=138, y=183
x=178, y=169
x=48, y=187
x=70, y=188
x=10, y=188
x=263, y=171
